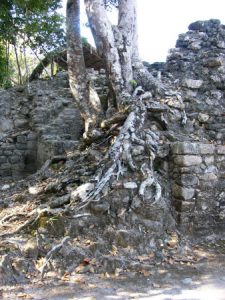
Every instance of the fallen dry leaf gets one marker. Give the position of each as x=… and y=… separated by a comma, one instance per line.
x=145, y=273
x=24, y=296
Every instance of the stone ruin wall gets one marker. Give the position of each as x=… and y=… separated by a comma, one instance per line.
x=197, y=65
x=39, y=122
x=198, y=182
x=45, y=122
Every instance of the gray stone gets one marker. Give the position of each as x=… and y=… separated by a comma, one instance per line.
x=30, y=249
x=213, y=62
x=5, y=124
x=187, y=281
x=203, y=118
x=193, y=83
x=82, y=191
x=21, y=146
x=7, y=152
x=208, y=177
x=206, y=148
x=5, y=172
x=221, y=149
x=183, y=192
x=21, y=139
x=189, y=179
x=190, y=170
x=185, y=148
x=3, y=159
x=5, y=187
x=5, y=166
x=14, y=159
x=31, y=136
x=20, y=123
x=31, y=145
x=211, y=169
x=130, y=185
x=60, y=201
x=221, y=44
x=187, y=160
x=209, y=160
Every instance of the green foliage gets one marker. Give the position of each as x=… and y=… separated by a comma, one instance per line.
x=84, y=40
x=133, y=83
x=33, y=24
x=4, y=67
x=36, y=21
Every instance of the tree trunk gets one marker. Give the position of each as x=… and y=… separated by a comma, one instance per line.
x=105, y=42
x=126, y=31
x=18, y=65
x=79, y=83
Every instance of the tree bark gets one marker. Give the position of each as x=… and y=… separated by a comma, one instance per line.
x=105, y=42
x=79, y=83
x=125, y=35
x=18, y=65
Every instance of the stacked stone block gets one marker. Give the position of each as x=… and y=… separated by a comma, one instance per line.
x=197, y=184
x=18, y=155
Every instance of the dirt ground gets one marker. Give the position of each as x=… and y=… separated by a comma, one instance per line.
x=179, y=281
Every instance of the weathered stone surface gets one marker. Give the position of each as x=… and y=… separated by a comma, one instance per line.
x=189, y=180
x=208, y=177
x=203, y=117
x=221, y=149
x=82, y=192
x=206, y=148
x=130, y=185
x=193, y=83
x=182, y=192
x=213, y=62
x=187, y=160
x=209, y=160
x=184, y=148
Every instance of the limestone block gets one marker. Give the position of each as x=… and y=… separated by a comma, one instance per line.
x=20, y=123
x=31, y=136
x=203, y=117
x=206, y=148
x=6, y=172
x=130, y=185
x=5, y=166
x=21, y=139
x=8, y=146
x=3, y=159
x=183, y=205
x=18, y=167
x=21, y=146
x=182, y=192
x=189, y=180
x=208, y=177
x=184, y=148
x=211, y=169
x=220, y=158
x=5, y=124
x=31, y=144
x=187, y=160
x=221, y=149
x=192, y=83
x=221, y=44
x=14, y=159
x=191, y=170
x=213, y=62
x=209, y=160
x=82, y=191
x=7, y=152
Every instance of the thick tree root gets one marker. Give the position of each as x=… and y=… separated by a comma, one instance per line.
x=120, y=158
x=50, y=254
